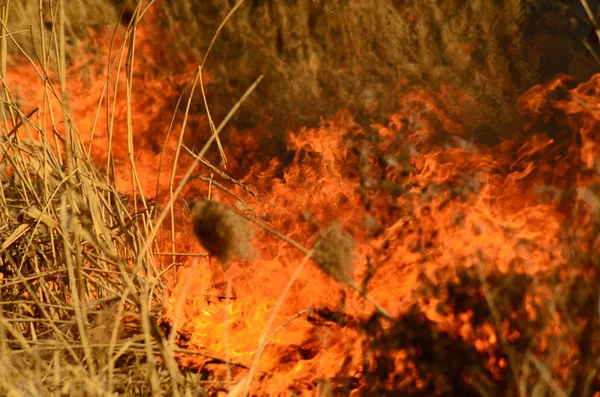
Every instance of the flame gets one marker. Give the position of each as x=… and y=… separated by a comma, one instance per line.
x=443, y=206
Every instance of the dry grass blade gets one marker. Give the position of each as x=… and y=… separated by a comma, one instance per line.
x=48, y=263
x=17, y=233
x=41, y=217
x=264, y=340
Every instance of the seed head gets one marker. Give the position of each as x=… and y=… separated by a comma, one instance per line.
x=334, y=253
x=221, y=231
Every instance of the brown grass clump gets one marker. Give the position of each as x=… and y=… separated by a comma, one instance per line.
x=221, y=231
x=334, y=253
x=67, y=245
x=71, y=245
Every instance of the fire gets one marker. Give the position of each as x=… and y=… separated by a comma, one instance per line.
x=415, y=205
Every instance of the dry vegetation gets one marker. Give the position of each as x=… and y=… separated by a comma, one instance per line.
x=80, y=290
x=72, y=267
x=31, y=34
x=322, y=56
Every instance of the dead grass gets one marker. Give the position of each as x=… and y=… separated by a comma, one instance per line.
x=79, y=279
x=77, y=317
x=79, y=285
x=31, y=35
x=322, y=56
x=69, y=240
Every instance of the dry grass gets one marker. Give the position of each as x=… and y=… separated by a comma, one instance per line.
x=79, y=279
x=80, y=287
x=68, y=242
x=32, y=34
x=322, y=56
x=78, y=292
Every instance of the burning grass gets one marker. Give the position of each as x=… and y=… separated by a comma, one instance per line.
x=454, y=266
x=71, y=269
x=80, y=290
